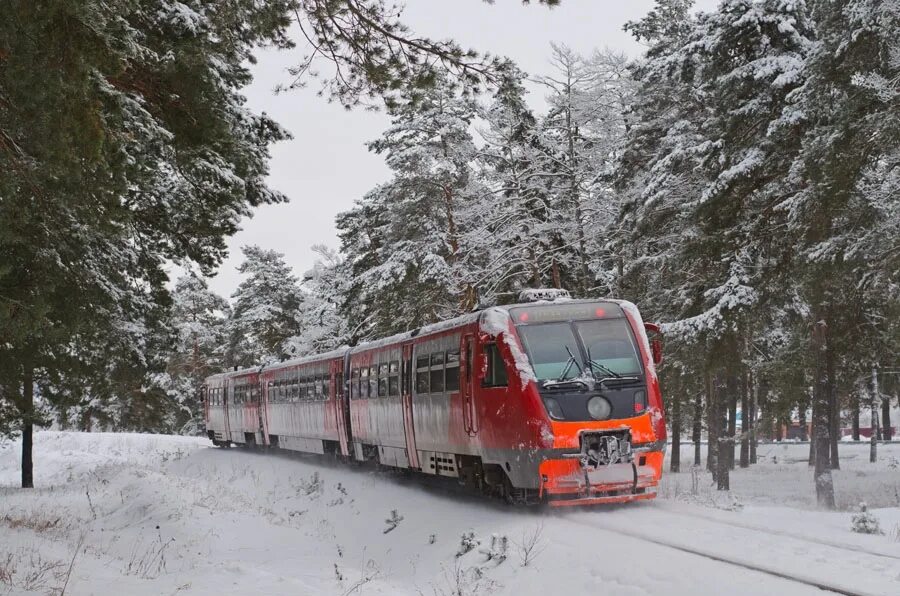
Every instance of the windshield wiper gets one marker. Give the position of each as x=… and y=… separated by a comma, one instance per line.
x=592, y=363
x=572, y=360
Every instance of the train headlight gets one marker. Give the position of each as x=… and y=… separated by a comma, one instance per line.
x=599, y=408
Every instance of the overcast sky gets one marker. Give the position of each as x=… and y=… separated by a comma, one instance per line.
x=326, y=166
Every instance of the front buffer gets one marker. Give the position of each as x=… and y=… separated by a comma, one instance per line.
x=607, y=467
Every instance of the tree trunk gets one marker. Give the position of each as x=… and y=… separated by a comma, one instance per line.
x=759, y=396
x=854, y=415
x=698, y=426
x=873, y=440
x=675, y=463
x=732, y=418
x=801, y=418
x=745, y=422
x=886, y=429
x=725, y=446
x=712, y=425
x=821, y=415
x=554, y=272
x=834, y=412
x=812, y=442
x=27, y=427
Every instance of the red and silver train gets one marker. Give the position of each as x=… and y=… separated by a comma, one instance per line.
x=554, y=402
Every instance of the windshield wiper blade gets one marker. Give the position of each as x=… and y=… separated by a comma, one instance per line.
x=606, y=369
x=572, y=360
x=592, y=363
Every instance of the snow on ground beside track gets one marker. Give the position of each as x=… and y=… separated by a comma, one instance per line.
x=782, y=476
x=172, y=515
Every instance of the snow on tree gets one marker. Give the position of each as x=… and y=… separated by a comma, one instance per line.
x=323, y=286
x=403, y=239
x=580, y=137
x=265, y=309
x=197, y=319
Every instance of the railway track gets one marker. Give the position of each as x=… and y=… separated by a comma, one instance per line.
x=824, y=585
x=812, y=540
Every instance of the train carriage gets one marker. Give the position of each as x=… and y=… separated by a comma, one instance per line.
x=305, y=406
x=538, y=402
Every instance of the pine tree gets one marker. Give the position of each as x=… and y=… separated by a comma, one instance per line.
x=264, y=313
x=197, y=318
x=511, y=222
x=323, y=286
x=404, y=239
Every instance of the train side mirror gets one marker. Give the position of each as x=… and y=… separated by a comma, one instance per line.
x=656, y=348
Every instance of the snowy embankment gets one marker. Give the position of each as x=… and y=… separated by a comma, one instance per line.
x=171, y=515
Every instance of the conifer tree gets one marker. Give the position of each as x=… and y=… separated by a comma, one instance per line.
x=265, y=312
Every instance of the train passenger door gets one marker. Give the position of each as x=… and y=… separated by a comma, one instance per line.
x=467, y=384
x=265, y=392
x=204, y=400
x=227, y=399
x=406, y=375
x=341, y=409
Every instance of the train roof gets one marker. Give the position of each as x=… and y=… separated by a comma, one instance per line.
x=488, y=317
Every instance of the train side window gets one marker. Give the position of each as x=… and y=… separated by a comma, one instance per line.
x=437, y=372
x=364, y=382
x=422, y=374
x=295, y=389
x=394, y=379
x=495, y=376
x=452, y=382
x=318, y=387
x=354, y=383
x=373, y=381
x=382, y=380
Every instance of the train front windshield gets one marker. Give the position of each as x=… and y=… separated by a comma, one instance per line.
x=565, y=349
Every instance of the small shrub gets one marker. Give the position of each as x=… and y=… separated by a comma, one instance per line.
x=467, y=543
x=864, y=522
x=532, y=544
x=498, y=549
x=393, y=521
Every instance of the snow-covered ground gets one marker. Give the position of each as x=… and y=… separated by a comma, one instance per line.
x=172, y=515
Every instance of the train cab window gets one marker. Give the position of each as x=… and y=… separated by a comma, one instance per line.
x=495, y=375
x=394, y=379
x=354, y=383
x=452, y=382
x=373, y=381
x=437, y=372
x=422, y=374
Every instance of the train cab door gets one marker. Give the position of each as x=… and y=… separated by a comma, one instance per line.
x=340, y=405
x=467, y=384
x=406, y=376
